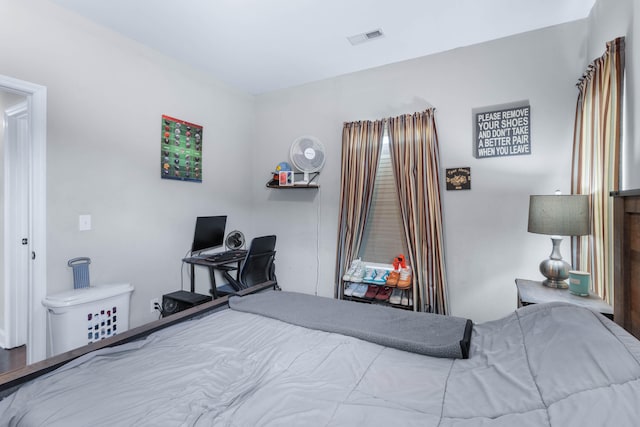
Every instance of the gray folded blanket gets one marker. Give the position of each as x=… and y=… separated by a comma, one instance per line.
x=424, y=333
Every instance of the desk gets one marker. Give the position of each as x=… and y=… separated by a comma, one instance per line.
x=533, y=292
x=212, y=265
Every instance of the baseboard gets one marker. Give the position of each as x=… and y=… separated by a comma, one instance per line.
x=3, y=339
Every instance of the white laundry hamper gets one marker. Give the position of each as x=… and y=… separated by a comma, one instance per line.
x=85, y=315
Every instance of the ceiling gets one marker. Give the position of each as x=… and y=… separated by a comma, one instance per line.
x=264, y=45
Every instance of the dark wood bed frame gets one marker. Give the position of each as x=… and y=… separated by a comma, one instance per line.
x=626, y=240
x=14, y=378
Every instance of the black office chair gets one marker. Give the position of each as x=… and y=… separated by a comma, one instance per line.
x=257, y=268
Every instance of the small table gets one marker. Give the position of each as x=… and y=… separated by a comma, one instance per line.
x=212, y=265
x=534, y=292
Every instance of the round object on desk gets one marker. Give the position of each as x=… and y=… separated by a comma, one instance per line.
x=234, y=240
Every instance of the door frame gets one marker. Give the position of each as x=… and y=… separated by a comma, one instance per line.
x=37, y=216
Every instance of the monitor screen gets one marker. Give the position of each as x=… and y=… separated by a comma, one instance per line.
x=209, y=233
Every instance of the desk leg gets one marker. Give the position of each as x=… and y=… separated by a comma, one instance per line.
x=212, y=275
x=193, y=278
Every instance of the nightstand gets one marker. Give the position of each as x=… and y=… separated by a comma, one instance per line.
x=533, y=292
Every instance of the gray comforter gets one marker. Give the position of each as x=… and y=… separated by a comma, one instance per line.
x=544, y=365
x=422, y=333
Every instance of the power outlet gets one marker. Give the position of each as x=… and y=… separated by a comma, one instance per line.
x=154, y=304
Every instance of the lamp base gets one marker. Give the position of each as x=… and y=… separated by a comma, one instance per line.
x=554, y=268
x=556, y=271
x=551, y=283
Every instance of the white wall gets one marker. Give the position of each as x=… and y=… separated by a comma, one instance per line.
x=106, y=95
x=486, y=239
x=610, y=19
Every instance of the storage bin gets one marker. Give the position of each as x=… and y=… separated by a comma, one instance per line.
x=85, y=315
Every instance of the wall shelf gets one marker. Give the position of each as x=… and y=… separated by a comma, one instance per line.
x=273, y=183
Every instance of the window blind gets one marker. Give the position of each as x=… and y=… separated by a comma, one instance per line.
x=383, y=237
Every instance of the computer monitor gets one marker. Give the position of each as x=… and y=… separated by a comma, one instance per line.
x=209, y=233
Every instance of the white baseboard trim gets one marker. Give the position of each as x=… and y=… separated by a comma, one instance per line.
x=3, y=340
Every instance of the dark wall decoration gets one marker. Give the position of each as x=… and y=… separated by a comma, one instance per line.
x=502, y=131
x=459, y=178
x=181, y=150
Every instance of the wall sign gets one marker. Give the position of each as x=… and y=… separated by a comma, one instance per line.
x=459, y=179
x=502, y=132
x=181, y=150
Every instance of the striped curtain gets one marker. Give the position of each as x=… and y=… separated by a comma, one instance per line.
x=361, y=146
x=596, y=160
x=413, y=141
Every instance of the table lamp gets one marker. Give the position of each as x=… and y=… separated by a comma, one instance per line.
x=558, y=215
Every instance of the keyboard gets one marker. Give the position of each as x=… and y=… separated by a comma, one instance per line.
x=226, y=256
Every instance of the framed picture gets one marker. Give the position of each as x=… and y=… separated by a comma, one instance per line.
x=459, y=178
x=502, y=130
x=285, y=178
x=180, y=150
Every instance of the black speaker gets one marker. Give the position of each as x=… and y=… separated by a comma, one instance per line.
x=181, y=300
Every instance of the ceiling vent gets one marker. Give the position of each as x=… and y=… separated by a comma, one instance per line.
x=365, y=37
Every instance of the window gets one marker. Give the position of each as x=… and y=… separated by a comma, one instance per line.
x=384, y=237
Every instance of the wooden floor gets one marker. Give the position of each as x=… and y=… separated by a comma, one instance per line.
x=13, y=359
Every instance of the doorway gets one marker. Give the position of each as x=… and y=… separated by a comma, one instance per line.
x=24, y=225
x=15, y=213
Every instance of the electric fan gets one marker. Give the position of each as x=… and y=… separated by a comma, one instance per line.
x=234, y=240
x=307, y=155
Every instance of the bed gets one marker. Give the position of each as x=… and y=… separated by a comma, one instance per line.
x=543, y=365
